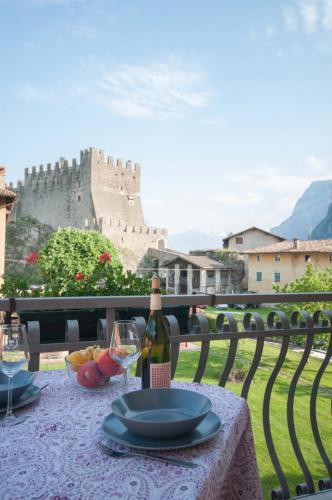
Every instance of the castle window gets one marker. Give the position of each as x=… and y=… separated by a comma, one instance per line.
x=307, y=258
x=258, y=258
x=78, y=198
x=277, y=277
x=259, y=276
x=239, y=240
x=277, y=258
x=330, y=258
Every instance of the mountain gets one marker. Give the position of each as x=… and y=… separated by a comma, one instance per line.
x=193, y=240
x=323, y=230
x=309, y=210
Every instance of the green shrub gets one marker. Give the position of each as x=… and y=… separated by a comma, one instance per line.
x=76, y=263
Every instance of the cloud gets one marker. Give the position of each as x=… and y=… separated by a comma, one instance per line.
x=218, y=120
x=158, y=91
x=327, y=14
x=82, y=30
x=308, y=15
x=308, y=10
x=270, y=31
x=31, y=93
x=290, y=18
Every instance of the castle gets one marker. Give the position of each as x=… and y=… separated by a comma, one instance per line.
x=95, y=194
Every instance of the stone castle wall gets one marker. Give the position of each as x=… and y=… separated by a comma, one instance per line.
x=96, y=193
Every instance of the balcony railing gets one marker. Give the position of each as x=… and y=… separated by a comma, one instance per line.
x=277, y=326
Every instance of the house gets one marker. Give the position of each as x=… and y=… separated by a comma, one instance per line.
x=7, y=199
x=248, y=239
x=200, y=274
x=285, y=261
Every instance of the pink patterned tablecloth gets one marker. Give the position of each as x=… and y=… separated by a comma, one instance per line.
x=53, y=454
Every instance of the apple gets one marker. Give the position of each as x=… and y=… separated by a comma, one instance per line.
x=108, y=366
x=89, y=375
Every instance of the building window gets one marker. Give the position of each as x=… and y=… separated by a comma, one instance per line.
x=277, y=258
x=330, y=258
x=239, y=240
x=196, y=279
x=78, y=198
x=259, y=276
x=307, y=258
x=210, y=274
x=258, y=258
x=171, y=278
x=277, y=277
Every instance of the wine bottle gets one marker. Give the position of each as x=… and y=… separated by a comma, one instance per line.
x=156, y=348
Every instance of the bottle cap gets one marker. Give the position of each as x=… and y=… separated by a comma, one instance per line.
x=155, y=282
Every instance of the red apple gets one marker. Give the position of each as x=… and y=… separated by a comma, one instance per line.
x=89, y=375
x=108, y=366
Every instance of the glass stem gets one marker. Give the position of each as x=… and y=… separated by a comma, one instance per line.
x=9, y=412
x=125, y=375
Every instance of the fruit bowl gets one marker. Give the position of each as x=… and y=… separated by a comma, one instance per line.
x=92, y=368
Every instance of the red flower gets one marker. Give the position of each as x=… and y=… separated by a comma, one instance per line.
x=104, y=257
x=79, y=276
x=32, y=258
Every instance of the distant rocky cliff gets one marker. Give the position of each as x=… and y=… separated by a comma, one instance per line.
x=323, y=230
x=309, y=211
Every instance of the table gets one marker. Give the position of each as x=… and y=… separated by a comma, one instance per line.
x=53, y=454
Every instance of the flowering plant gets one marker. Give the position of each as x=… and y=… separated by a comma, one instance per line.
x=76, y=263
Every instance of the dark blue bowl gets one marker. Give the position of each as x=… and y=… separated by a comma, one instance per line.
x=161, y=413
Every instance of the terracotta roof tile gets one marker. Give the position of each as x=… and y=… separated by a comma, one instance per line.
x=295, y=246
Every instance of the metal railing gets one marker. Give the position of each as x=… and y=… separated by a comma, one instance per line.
x=277, y=326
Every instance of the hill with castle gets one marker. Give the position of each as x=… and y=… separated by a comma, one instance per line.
x=94, y=193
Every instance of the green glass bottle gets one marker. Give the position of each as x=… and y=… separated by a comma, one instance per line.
x=156, y=347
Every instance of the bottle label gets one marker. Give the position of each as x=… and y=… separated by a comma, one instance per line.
x=160, y=375
x=155, y=302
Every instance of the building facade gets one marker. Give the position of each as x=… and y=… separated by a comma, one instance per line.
x=248, y=239
x=188, y=274
x=286, y=261
x=94, y=193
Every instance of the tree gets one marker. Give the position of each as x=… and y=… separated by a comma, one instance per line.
x=24, y=236
x=312, y=280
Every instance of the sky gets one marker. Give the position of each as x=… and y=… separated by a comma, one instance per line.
x=226, y=104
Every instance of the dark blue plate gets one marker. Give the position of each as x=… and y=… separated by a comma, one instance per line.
x=31, y=394
x=21, y=381
x=207, y=429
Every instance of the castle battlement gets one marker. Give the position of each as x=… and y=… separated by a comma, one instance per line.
x=88, y=157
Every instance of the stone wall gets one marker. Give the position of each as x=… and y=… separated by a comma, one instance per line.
x=96, y=193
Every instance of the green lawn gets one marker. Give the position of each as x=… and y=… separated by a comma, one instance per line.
x=263, y=311
x=218, y=352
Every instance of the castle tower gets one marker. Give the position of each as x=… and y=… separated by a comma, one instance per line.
x=93, y=193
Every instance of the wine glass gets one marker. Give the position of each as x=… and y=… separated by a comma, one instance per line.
x=125, y=346
x=14, y=355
